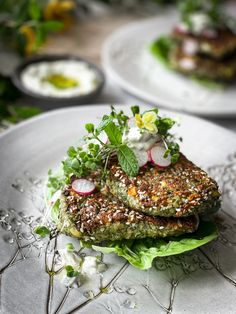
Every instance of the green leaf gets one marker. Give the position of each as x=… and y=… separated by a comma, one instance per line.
x=34, y=10
x=141, y=253
x=55, y=211
x=70, y=272
x=70, y=247
x=85, y=244
x=71, y=152
x=135, y=110
x=40, y=37
x=25, y=112
x=42, y=231
x=113, y=133
x=89, y=127
x=102, y=125
x=128, y=161
x=52, y=26
x=161, y=49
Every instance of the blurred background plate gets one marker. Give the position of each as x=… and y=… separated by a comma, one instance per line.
x=127, y=58
x=201, y=281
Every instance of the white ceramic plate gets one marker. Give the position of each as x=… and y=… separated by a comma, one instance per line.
x=127, y=59
x=201, y=281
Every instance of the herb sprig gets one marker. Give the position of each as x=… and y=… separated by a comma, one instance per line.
x=95, y=151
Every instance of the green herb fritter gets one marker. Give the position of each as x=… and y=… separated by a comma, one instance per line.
x=181, y=189
x=100, y=217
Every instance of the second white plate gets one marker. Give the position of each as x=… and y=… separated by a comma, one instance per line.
x=127, y=58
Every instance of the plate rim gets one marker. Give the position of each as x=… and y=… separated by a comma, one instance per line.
x=59, y=111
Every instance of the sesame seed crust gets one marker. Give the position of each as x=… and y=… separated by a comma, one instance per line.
x=100, y=217
x=182, y=189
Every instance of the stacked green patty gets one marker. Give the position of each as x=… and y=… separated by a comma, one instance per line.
x=209, y=55
x=157, y=203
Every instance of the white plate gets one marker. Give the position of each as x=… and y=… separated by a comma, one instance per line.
x=202, y=281
x=127, y=59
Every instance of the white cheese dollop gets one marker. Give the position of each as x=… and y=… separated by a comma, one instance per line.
x=33, y=78
x=87, y=266
x=90, y=266
x=139, y=138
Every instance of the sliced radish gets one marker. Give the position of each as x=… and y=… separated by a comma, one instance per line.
x=142, y=157
x=157, y=156
x=83, y=186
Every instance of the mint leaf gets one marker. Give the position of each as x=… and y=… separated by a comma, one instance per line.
x=70, y=247
x=42, y=231
x=128, y=161
x=70, y=272
x=102, y=125
x=113, y=133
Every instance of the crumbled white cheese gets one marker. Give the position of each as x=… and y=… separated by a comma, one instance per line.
x=86, y=266
x=89, y=266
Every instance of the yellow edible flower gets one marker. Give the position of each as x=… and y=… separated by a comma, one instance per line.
x=138, y=120
x=60, y=10
x=147, y=121
x=29, y=35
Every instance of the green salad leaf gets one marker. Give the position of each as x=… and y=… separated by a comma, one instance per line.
x=42, y=231
x=141, y=253
x=161, y=48
x=70, y=272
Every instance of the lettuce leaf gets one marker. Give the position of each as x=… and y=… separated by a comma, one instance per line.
x=161, y=48
x=141, y=253
x=54, y=184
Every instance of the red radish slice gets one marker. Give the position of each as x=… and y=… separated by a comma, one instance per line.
x=157, y=156
x=142, y=157
x=83, y=186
